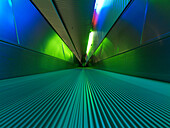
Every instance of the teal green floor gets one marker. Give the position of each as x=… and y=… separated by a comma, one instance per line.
x=84, y=98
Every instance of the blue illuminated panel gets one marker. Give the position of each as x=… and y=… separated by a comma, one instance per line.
x=7, y=24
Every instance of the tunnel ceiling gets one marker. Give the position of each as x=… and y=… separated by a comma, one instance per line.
x=71, y=19
x=82, y=24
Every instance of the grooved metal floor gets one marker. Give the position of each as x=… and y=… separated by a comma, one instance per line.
x=84, y=98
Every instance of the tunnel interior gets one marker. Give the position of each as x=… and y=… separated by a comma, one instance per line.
x=85, y=63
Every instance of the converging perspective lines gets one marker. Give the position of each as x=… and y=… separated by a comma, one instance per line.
x=92, y=99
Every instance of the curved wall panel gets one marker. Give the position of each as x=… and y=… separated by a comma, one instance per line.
x=35, y=33
x=138, y=44
x=28, y=45
x=126, y=33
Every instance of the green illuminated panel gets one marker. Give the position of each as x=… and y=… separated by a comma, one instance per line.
x=57, y=48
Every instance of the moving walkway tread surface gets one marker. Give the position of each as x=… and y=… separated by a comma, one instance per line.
x=84, y=98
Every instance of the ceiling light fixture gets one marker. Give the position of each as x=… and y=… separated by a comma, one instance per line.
x=90, y=42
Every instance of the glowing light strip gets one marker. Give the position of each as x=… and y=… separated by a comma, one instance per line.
x=90, y=42
x=99, y=5
x=97, y=9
